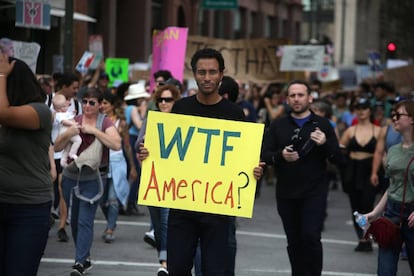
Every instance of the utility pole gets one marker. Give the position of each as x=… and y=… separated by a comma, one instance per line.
x=68, y=40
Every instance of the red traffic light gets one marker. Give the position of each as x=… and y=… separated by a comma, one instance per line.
x=391, y=47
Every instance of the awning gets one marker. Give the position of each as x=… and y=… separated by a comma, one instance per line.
x=76, y=15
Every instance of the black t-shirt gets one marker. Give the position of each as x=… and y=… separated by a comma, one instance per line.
x=224, y=109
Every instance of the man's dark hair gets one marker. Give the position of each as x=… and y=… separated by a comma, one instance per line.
x=230, y=87
x=308, y=90
x=386, y=86
x=122, y=89
x=207, y=53
x=67, y=79
x=316, y=82
x=163, y=73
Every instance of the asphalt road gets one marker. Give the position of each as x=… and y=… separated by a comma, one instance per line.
x=261, y=245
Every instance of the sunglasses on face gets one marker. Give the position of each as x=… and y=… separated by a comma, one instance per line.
x=165, y=99
x=398, y=115
x=91, y=103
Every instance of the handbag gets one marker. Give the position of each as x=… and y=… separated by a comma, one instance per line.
x=383, y=230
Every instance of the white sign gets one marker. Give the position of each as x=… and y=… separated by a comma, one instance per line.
x=27, y=52
x=302, y=58
x=88, y=60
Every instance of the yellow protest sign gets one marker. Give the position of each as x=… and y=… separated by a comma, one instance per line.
x=200, y=164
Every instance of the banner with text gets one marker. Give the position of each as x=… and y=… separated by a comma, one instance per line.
x=302, y=58
x=245, y=59
x=168, y=52
x=200, y=164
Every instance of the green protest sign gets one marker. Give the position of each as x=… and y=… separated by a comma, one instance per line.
x=117, y=69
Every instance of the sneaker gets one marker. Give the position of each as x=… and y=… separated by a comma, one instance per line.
x=87, y=265
x=162, y=271
x=78, y=270
x=55, y=213
x=132, y=210
x=109, y=237
x=364, y=246
x=150, y=238
x=62, y=236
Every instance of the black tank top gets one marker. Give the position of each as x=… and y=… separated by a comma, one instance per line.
x=368, y=147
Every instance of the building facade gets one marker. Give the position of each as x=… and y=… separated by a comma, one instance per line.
x=126, y=26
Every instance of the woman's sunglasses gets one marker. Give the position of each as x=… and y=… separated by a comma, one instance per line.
x=398, y=115
x=166, y=99
x=91, y=103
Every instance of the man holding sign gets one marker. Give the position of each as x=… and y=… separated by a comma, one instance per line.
x=185, y=227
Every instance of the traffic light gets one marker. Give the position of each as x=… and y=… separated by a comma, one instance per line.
x=391, y=50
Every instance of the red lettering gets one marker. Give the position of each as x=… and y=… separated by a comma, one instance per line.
x=212, y=193
x=206, y=193
x=168, y=188
x=229, y=196
x=181, y=184
x=153, y=184
x=192, y=187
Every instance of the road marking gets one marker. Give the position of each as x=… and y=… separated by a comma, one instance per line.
x=155, y=265
x=244, y=233
x=97, y=262
x=328, y=273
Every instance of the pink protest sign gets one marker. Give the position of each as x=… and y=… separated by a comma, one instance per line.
x=168, y=52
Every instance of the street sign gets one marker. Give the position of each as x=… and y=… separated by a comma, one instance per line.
x=220, y=4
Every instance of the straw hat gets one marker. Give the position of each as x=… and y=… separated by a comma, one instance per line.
x=136, y=91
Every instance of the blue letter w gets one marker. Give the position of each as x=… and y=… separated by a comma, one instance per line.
x=176, y=139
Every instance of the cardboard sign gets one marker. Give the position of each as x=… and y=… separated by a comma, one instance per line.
x=200, y=164
x=245, y=59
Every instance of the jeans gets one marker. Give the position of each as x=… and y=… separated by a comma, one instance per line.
x=24, y=230
x=110, y=205
x=83, y=215
x=185, y=229
x=159, y=219
x=388, y=257
x=302, y=221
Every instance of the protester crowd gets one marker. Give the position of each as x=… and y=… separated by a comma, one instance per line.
x=337, y=138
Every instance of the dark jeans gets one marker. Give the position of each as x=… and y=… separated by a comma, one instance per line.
x=24, y=231
x=185, y=229
x=362, y=200
x=302, y=221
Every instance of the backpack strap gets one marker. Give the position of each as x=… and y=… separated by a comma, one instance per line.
x=76, y=102
x=49, y=99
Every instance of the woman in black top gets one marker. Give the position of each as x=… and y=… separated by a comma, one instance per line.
x=360, y=141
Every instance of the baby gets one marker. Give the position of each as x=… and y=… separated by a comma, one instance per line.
x=65, y=119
